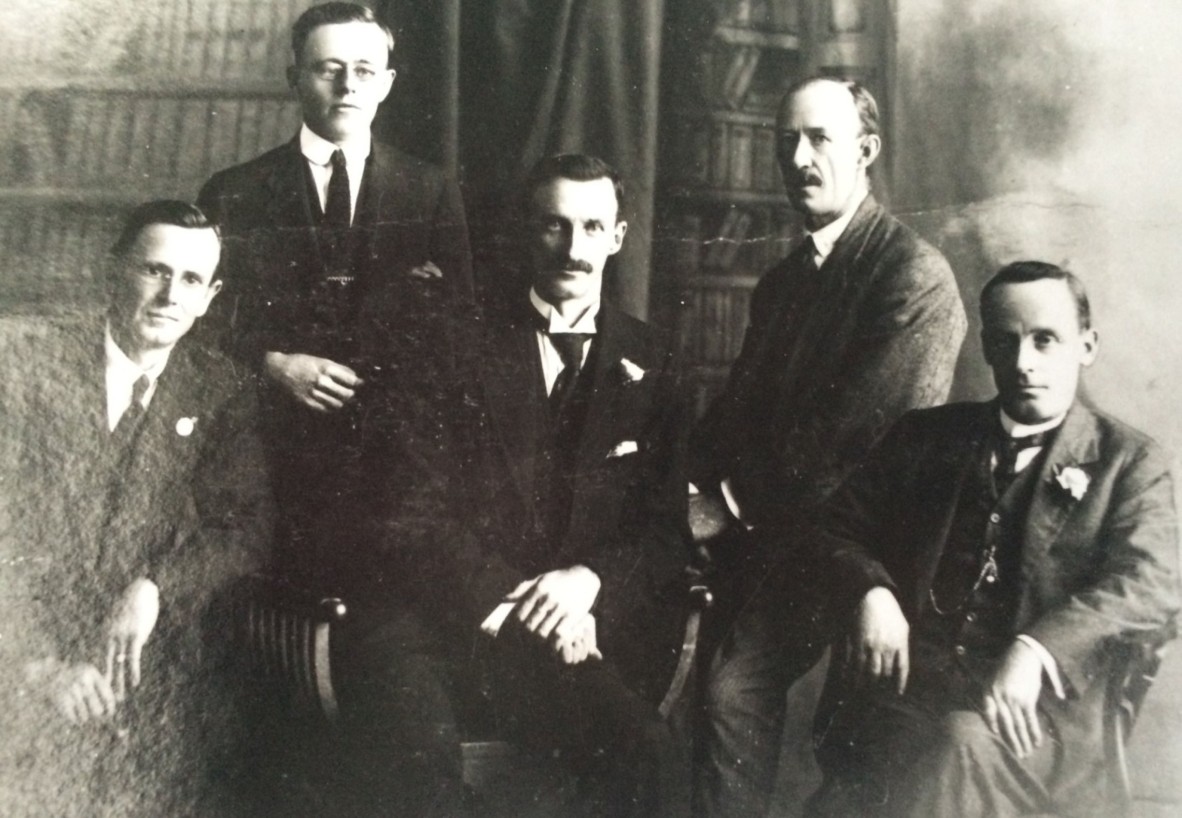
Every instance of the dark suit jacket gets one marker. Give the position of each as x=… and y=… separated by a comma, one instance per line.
x=274, y=260
x=1095, y=570
x=189, y=508
x=189, y=511
x=882, y=338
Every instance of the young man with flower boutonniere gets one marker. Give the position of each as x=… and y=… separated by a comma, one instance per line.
x=136, y=492
x=983, y=565
x=567, y=584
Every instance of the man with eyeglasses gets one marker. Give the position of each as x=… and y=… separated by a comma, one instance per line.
x=861, y=322
x=136, y=493
x=344, y=257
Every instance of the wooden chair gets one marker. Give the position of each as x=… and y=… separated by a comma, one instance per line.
x=283, y=636
x=1136, y=670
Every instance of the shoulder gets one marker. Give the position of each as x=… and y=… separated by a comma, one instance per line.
x=210, y=374
x=1121, y=444
x=951, y=421
x=245, y=176
x=655, y=343
x=900, y=252
x=409, y=177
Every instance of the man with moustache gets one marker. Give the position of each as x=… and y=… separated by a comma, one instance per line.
x=559, y=568
x=987, y=562
x=860, y=323
x=137, y=492
x=344, y=258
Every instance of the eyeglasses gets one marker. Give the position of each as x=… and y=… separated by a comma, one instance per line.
x=333, y=71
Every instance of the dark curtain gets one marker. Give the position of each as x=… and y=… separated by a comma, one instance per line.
x=488, y=87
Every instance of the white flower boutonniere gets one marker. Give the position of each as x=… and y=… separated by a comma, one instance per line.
x=185, y=426
x=631, y=372
x=1072, y=480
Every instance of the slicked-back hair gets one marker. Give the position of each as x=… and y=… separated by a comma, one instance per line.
x=864, y=101
x=578, y=167
x=330, y=14
x=1023, y=272
x=161, y=211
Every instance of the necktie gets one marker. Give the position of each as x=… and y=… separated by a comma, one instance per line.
x=337, y=204
x=125, y=428
x=807, y=265
x=570, y=349
x=1008, y=449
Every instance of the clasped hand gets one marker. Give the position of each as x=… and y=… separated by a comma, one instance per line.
x=318, y=383
x=556, y=607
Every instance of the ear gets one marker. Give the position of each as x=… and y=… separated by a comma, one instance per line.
x=387, y=81
x=1091, y=347
x=618, y=237
x=214, y=289
x=871, y=146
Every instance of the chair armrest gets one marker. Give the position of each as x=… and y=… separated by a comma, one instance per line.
x=698, y=599
x=283, y=633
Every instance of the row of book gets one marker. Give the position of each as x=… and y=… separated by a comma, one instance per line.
x=712, y=324
x=728, y=155
x=745, y=240
x=43, y=248
x=774, y=15
x=192, y=40
x=76, y=139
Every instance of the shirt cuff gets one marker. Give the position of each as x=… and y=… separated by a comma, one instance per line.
x=1049, y=665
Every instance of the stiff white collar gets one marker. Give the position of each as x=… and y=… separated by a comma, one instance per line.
x=1015, y=429
x=318, y=150
x=826, y=237
x=558, y=324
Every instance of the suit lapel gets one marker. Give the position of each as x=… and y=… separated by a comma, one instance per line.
x=964, y=456
x=1075, y=446
x=602, y=410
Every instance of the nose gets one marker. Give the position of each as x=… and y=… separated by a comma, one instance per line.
x=1025, y=355
x=170, y=290
x=346, y=81
x=802, y=154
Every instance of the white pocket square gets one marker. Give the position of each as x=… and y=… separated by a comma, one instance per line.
x=624, y=447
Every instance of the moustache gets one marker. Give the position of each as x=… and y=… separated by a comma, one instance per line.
x=572, y=265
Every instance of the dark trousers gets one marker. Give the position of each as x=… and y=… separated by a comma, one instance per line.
x=929, y=754
x=764, y=635
x=405, y=687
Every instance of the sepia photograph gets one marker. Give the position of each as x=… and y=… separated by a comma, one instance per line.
x=616, y=408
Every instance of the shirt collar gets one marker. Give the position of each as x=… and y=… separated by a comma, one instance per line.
x=826, y=237
x=118, y=361
x=1015, y=429
x=319, y=151
x=585, y=324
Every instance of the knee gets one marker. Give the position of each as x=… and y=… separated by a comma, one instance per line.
x=964, y=732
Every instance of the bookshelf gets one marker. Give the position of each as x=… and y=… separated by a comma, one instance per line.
x=722, y=216
x=105, y=104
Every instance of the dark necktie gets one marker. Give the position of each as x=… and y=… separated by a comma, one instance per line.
x=337, y=206
x=125, y=429
x=570, y=349
x=1008, y=449
x=807, y=263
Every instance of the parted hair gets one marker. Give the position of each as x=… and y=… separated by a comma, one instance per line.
x=160, y=211
x=328, y=14
x=578, y=167
x=1022, y=272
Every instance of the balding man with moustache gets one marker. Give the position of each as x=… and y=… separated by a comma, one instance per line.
x=859, y=324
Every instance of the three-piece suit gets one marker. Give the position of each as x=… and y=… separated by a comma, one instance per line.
x=1083, y=549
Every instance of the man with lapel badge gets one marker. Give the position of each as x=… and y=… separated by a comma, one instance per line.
x=860, y=323
x=137, y=493
x=345, y=259
x=552, y=574
x=986, y=563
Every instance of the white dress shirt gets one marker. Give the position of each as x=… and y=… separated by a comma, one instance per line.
x=551, y=359
x=826, y=237
x=318, y=152
x=122, y=373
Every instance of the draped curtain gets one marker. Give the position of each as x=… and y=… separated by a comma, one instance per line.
x=487, y=87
